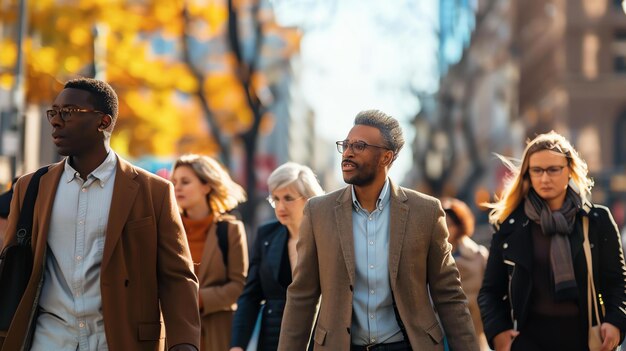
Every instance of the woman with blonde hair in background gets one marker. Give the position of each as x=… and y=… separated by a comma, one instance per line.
x=274, y=258
x=534, y=294
x=217, y=241
x=470, y=258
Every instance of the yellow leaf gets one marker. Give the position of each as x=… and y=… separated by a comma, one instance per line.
x=6, y=81
x=8, y=54
x=79, y=36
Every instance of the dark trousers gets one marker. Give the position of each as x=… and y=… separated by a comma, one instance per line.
x=547, y=333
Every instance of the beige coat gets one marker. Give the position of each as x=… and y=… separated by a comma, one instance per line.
x=148, y=287
x=420, y=264
x=220, y=287
x=471, y=263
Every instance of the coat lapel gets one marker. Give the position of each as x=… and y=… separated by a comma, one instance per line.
x=343, y=219
x=399, y=213
x=124, y=192
x=274, y=253
x=208, y=253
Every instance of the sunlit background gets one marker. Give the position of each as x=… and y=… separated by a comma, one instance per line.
x=256, y=83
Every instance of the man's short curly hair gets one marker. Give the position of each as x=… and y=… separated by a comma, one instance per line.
x=105, y=98
x=388, y=126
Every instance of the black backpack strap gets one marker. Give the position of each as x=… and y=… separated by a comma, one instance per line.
x=24, y=229
x=222, y=240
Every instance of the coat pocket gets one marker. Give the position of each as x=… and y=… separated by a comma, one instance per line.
x=138, y=223
x=434, y=331
x=150, y=331
x=320, y=335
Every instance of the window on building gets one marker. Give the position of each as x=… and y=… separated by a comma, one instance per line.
x=619, y=51
x=620, y=140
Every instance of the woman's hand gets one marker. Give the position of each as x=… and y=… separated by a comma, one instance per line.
x=236, y=348
x=610, y=336
x=504, y=340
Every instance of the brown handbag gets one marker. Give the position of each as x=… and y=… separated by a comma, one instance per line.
x=595, y=337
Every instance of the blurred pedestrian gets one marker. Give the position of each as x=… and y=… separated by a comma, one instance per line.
x=109, y=249
x=534, y=295
x=205, y=194
x=274, y=257
x=375, y=252
x=470, y=258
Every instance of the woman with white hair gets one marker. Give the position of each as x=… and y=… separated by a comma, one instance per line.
x=274, y=257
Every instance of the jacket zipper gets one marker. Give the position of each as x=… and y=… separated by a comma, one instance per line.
x=511, y=263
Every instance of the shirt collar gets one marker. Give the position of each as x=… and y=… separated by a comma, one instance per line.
x=383, y=198
x=102, y=173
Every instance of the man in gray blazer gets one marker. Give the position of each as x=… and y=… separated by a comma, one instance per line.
x=377, y=253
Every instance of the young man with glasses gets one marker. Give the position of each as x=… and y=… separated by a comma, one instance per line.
x=112, y=269
x=377, y=253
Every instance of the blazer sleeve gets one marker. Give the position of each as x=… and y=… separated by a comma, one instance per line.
x=222, y=297
x=178, y=285
x=612, y=271
x=493, y=298
x=249, y=303
x=445, y=288
x=304, y=291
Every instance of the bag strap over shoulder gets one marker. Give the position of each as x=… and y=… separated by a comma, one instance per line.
x=24, y=229
x=592, y=301
x=222, y=240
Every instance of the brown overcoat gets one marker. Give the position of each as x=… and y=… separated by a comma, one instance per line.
x=220, y=286
x=420, y=267
x=148, y=287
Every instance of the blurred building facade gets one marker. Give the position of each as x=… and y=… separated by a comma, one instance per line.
x=572, y=59
x=474, y=113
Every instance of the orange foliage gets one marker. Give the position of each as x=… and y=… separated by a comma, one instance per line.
x=140, y=54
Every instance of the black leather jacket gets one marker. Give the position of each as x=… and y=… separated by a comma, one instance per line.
x=504, y=298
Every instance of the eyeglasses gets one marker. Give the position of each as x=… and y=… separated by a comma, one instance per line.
x=286, y=200
x=552, y=171
x=357, y=146
x=65, y=113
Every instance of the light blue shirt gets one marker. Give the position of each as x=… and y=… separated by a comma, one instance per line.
x=70, y=316
x=373, y=317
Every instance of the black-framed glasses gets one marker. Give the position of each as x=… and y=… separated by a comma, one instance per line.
x=357, y=146
x=551, y=171
x=66, y=112
x=286, y=200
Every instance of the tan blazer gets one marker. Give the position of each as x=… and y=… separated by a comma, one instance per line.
x=146, y=277
x=221, y=286
x=420, y=264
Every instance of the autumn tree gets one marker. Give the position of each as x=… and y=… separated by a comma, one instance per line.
x=184, y=71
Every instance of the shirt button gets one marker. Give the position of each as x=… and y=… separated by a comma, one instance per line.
x=373, y=339
x=81, y=222
x=370, y=218
x=371, y=243
x=371, y=266
x=78, y=258
x=83, y=189
x=372, y=317
x=81, y=325
x=505, y=245
x=372, y=292
x=512, y=220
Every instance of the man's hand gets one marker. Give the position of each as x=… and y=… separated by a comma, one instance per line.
x=610, y=336
x=236, y=348
x=183, y=347
x=504, y=340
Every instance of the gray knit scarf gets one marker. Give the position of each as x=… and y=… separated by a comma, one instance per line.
x=558, y=225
